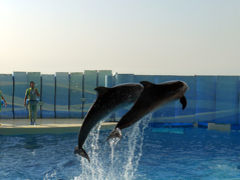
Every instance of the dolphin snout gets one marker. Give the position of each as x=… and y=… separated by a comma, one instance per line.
x=184, y=86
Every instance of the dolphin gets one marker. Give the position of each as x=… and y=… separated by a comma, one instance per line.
x=152, y=97
x=108, y=100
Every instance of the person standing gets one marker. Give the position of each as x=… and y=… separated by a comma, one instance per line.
x=31, y=95
x=2, y=98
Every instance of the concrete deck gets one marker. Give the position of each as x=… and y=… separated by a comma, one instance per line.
x=59, y=126
x=44, y=126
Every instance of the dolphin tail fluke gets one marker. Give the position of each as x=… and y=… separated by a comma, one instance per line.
x=81, y=152
x=115, y=134
x=183, y=101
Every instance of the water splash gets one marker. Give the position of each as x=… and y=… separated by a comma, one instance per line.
x=135, y=144
x=50, y=175
x=124, y=156
x=94, y=169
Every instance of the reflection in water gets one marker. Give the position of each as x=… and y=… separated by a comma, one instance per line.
x=30, y=142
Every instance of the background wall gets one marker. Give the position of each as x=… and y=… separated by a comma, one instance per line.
x=70, y=95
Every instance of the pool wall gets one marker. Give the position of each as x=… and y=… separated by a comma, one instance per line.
x=212, y=99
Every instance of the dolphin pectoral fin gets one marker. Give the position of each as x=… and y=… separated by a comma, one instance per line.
x=81, y=152
x=115, y=134
x=183, y=101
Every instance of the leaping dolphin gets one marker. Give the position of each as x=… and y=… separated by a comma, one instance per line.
x=152, y=97
x=108, y=100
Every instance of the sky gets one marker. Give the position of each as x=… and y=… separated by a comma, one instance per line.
x=164, y=37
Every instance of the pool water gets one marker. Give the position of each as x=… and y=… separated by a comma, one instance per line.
x=144, y=152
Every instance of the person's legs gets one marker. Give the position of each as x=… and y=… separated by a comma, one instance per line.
x=30, y=110
x=34, y=113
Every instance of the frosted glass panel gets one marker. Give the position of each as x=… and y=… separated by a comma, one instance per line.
x=90, y=83
x=76, y=94
x=20, y=88
x=62, y=90
x=102, y=77
x=48, y=93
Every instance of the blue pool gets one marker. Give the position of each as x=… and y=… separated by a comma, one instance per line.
x=145, y=152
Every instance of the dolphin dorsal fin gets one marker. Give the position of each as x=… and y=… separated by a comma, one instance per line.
x=146, y=83
x=101, y=90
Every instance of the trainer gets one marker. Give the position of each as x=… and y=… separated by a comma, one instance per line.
x=31, y=95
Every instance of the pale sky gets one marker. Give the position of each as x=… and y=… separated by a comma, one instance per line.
x=184, y=37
